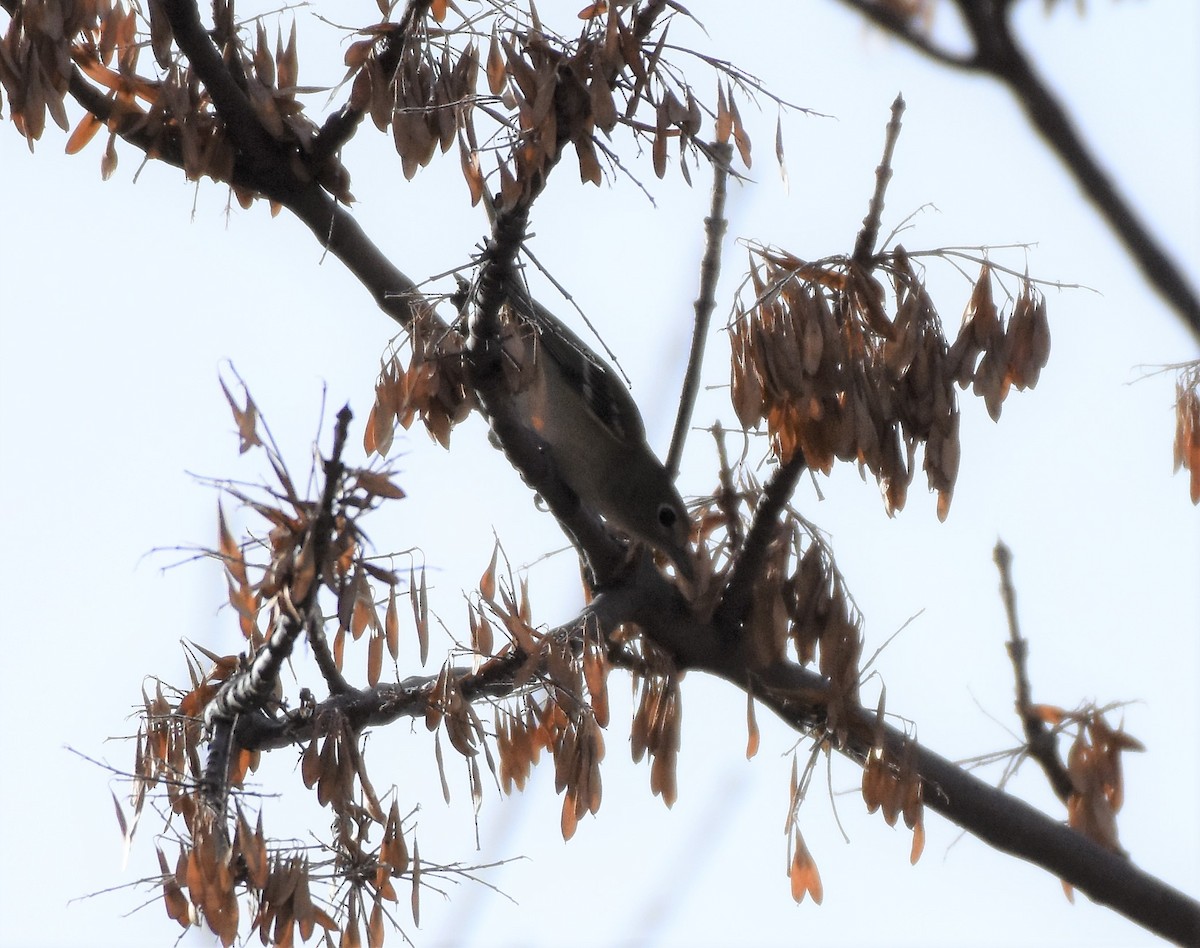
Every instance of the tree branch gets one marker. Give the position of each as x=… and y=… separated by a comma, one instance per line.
x=798, y=695
x=889, y=18
x=265, y=155
x=260, y=165
x=340, y=127
x=998, y=54
x=1051, y=120
x=739, y=591
x=1011, y=825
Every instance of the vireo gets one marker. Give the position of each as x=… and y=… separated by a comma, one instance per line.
x=578, y=405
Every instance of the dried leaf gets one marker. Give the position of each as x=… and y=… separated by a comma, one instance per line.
x=604, y=109
x=441, y=766
x=741, y=137
x=84, y=132
x=590, y=171
x=374, y=659
x=752, y=738
x=378, y=485
x=108, y=164
x=724, y=118
x=805, y=878
x=482, y=636
x=497, y=74
x=1049, y=713
x=918, y=843
x=120, y=815
x=420, y=608
x=472, y=172
x=487, y=582
x=287, y=60
x=174, y=900
x=416, y=883
x=569, y=820
x=391, y=624
x=783, y=173
x=245, y=418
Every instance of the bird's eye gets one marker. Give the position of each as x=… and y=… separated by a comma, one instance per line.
x=667, y=516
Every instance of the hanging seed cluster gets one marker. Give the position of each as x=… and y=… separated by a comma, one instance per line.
x=536, y=92
x=800, y=599
x=310, y=546
x=891, y=783
x=165, y=111
x=1187, y=425
x=569, y=723
x=818, y=358
x=657, y=723
x=432, y=386
x=1094, y=767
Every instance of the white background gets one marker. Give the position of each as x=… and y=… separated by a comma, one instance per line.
x=121, y=302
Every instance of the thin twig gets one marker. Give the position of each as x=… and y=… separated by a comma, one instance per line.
x=710, y=272
x=864, y=246
x=1041, y=742
x=727, y=495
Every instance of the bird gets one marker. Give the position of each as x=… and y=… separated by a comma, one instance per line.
x=578, y=406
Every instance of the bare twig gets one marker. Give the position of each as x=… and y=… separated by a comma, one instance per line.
x=1041, y=742
x=864, y=245
x=727, y=497
x=710, y=272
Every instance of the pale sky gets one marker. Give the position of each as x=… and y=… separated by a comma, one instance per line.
x=120, y=303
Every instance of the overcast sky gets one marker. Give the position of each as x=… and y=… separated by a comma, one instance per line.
x=121, y=302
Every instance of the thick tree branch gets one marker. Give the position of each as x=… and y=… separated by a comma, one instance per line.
x=268, y=167
x=1013, y=826
x=891, y=19
x=259, y=165
x=341, y=235
x=265, y=155
x=798, y=695
x=1051, y=120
